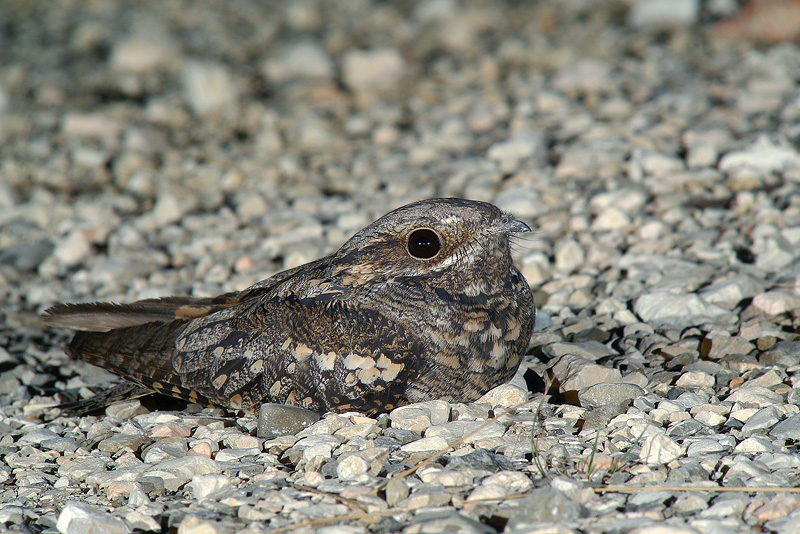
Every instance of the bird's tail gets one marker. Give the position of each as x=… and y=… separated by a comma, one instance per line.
x=135, y=341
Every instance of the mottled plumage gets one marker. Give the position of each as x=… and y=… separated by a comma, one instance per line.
x=424, y=303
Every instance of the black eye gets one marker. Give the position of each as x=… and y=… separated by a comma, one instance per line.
x=424, y=244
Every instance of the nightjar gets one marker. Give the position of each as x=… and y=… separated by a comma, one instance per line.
x=424, y=303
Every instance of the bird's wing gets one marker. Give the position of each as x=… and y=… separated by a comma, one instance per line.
x=309, y=341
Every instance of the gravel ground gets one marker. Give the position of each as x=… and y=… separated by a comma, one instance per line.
x=149, y=149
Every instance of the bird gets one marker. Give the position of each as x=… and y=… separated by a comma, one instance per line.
x=424, y=303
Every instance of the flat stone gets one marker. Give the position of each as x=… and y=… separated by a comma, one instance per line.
x=396, y=491
x=165, y=449
x=776, y=302
x=301, y=61
x=677, y=310
x=353, y=468
x=658, y=449
x=788, y=429
x=731, y=292
x=590, y=350
x=280, y=420
x=178, y=471
x=209, y=88
x=545, y=505
x=431, y=444
x=502, y=397
x=480, y=459
x=654, y=15
x=82, y=466
x=606, y=394
x=82, y=518
x=695, y=380
x=411, y=418
x=370, y=70
x=118, y=442
x=208, y=486
x=783, y=353
x=754, y=396
x=763, y=156
x=574, y=373
x=754, y=444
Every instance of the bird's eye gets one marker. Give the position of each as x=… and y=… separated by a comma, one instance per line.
x=424, y=244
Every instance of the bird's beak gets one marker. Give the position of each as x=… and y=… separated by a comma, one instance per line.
x=511, y=225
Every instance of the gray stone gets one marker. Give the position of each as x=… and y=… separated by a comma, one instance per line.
x=165, y=449
x=280, y=420
x=655, y=15
x=754, y=396
x=38, y=435
x=396, y=491
x=371, y=70
x=209, y=486
x=82, y=466
x=677, y=310
x=590, y=350
x=178, y=471
x=788, y=429
x=301, y=61
x=82, y=518
x=762, y=421
x=126, y=410
x=776, y=302
x=763, y=156
x=118, y=442
x=574, y=373
x=26, y=257
x=658, y=449
x=445, y=522
x=545, y=505
x=480, y=459
x=783, y=353
x=605, y=394
x=210, y=89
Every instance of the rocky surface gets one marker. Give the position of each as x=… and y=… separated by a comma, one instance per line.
x=182, y=147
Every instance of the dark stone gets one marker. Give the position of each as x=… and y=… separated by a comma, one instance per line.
x=482, y=459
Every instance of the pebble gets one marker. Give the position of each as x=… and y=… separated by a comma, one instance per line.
x=396, y=491
x=208, y=486
x=80, y=518
x=658, y=449
x=676, y=310
x=762, y=156
x=279, y=420
x=545, y=505
x=176, y=472
x=575, y=373
x=73, y=250
x=302, y=61
x=604, y=394
x=776, y=302
x=372, y=70
x=788, y=429
x=654, y=15
x=209, y=88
